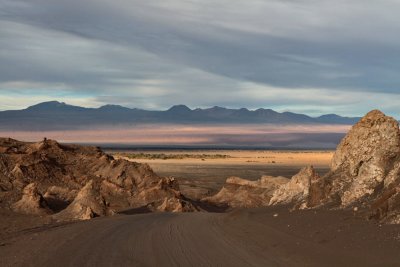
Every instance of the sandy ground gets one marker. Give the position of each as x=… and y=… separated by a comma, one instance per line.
x=250, y=157
x=12, y=223
x=253, y=237
x=199, y=178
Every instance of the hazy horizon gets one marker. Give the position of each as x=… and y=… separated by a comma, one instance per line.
x=326, y=136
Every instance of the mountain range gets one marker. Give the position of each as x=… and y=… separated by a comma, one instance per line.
x=56, y=115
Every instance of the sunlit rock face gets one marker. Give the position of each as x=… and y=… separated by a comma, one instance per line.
x=364, y=175
x=238, y=192
x=83, y=178
x=297, y=190
x=365, y=157
x=32, y=202
x=87, y=204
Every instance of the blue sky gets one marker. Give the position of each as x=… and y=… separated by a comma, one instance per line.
x=305, y=56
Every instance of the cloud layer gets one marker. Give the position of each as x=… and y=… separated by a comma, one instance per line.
x=306, y=55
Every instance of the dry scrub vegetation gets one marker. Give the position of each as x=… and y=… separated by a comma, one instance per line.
x=172, y=156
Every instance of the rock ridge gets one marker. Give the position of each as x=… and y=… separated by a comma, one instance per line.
x=80, y=182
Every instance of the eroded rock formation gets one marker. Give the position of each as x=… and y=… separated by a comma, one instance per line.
x=83, y=182
x=364, y=158
x=61, y=171
x=238, y=192
x=32, y=202
x=364, y=175
x=87, y=204
x=297, y=189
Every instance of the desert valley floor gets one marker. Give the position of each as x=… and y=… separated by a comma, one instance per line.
x=270, y=236
x=202, y=172
x=253, y=237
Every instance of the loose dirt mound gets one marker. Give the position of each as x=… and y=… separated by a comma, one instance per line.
x=61, y=171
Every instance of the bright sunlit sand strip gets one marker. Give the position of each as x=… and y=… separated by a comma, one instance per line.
x=226, y=157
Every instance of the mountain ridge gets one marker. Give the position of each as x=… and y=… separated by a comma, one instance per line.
x=54, y=115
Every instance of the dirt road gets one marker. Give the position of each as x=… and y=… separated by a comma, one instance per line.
x=260, y=237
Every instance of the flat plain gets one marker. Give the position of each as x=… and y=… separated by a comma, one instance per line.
x=203, y=172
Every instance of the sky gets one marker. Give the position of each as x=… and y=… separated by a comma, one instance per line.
x=308, y=56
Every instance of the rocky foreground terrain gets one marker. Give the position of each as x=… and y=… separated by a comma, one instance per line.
x=308, y=220
x=69, y=182
x=364, y=177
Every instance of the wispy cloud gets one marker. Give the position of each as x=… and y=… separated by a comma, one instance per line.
x=306, y=55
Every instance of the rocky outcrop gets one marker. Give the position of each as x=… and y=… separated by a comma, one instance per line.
x=62, y=193
x=86, y=205
x=58, y=198
x=297, y=189
x=365, y=174
x=32, y=202
x=238, y=192
x=387, y=207
x=365, y=170
x=268, y=190
x=61, y=171
x=317, y=192
x=364, y=158
x=176, y=205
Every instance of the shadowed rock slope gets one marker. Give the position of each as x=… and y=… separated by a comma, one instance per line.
x=364, y=175
x=80, y=182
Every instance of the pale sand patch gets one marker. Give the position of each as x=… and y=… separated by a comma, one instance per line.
x=240, y=157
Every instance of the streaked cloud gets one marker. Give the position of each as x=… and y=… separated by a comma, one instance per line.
x=305, y=55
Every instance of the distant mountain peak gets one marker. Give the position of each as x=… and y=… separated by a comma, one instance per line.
x=53, y=105
x=265, y=111
x=217, y=107
x=111, y=107
x=329, y=118
x=48, y=104
x=332, y=115
x=179, y=108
